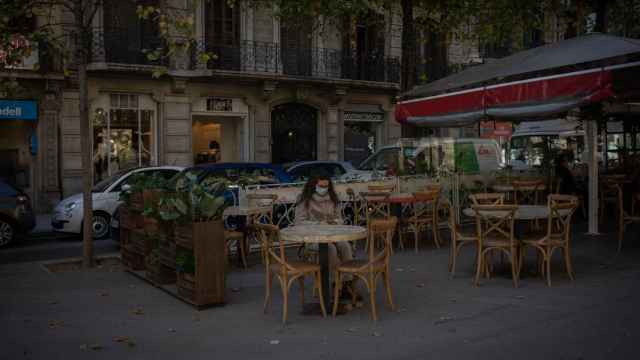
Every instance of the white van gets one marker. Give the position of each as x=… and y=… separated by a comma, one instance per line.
x=425, y=155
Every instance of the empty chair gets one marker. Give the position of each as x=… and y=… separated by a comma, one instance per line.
x=625, y=217
x=494, y=225
x=424, y=214
x=487, y=199
x=287, y=271
x=459, y=238
x=376, y=207
x=377, y=264
x=557, y=235
x=526, y=192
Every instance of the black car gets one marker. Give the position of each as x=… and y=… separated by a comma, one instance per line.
x=16, y=214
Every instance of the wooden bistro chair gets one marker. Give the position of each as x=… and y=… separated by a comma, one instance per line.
x=487, y=199
x=526, y=192
x=624, y=217
x=262, y=200
x=388, y=188
x=557, y=185
x=495, y=226
x=287, y=271
x=424, y=214
x=376, y=208
x=370, y=269
x=459, y=238
x=557, y=235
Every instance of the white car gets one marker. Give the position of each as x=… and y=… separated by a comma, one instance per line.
x=67, y=216
x=337, y=170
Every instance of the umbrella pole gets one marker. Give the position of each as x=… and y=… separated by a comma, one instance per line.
x=591, y=133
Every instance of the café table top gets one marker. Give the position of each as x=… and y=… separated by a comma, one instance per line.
x=246, y=210
x=524, y=212
x=322, y=233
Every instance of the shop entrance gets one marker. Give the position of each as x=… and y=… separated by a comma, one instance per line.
x=215, y=139
x=294, y=130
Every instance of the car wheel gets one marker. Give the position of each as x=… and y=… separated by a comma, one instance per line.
x=7, y=232
x=101, y=226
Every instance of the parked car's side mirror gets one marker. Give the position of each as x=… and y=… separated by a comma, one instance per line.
x=126, y=187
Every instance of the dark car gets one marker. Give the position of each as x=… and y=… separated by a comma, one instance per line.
x=16, y=214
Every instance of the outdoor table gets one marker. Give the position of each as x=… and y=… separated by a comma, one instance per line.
x=323, y=235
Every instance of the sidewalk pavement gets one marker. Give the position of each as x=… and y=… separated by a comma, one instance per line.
x=105, y=314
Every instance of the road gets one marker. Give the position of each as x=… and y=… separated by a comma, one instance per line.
x=51, y=246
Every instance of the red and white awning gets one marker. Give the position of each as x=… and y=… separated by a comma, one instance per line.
x=528, y=99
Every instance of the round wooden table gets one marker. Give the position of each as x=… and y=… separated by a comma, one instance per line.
x=323, y=235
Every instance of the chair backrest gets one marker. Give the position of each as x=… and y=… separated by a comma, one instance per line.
x=561, y=209
x=495, y=221
x=383, y=229
x=269, y=234
x=263, y=200
x=376, y=204
x=487, y=198
x=526, y=191
x=426, y=203
x=382, y=188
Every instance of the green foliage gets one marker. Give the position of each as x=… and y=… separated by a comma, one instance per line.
x=194, y=200
x=185, y=262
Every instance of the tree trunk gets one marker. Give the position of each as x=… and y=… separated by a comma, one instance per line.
x=408, y=47
x=85, y=135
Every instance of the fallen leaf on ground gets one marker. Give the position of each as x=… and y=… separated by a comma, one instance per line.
x=103, y=293
x=453, y=300
x=274, y=342
x=120, y=339
x=171, y=330
x=96, y=347
x=351, y=330
x=55, y=324
x=137, y=311
x=444, y=319
x=53, y=302
x=399, y=269
x=376, y=334
x=402, y=310
x=235, y=289
x=520, y=297
x=420, y=285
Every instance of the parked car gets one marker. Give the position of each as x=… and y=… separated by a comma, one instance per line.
x=16, y=214
x=68, y=213
x=337, y=170
x=471, y=156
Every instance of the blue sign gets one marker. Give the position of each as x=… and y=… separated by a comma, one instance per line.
x=18, y=110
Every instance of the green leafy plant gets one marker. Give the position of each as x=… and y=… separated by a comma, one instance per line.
x=193, y=200
x=185, y=262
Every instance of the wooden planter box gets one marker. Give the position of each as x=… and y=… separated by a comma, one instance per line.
x=130, y=219
x=167, y=250
x=151, y=225
x=141, y=244
x=132, y=260
x=160, y=274
x=137, y=202
x=206, y=240
x=150, y=197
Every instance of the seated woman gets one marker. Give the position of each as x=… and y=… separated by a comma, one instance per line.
x=319, y=203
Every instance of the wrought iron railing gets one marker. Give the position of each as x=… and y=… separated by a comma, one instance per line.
x=267, y=57
x=116, y=46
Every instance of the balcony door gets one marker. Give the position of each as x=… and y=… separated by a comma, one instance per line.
x=296, y=48
x=222, y=34
x=366, y=60
x=294, y=129
x=125, y=35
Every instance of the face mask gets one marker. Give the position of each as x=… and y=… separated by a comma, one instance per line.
x=322, y=191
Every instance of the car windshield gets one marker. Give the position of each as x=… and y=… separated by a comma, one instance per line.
x=104, y=184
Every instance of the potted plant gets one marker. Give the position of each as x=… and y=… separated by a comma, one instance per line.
x=197, y=207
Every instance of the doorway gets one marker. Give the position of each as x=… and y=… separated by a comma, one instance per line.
x=294, y=130
x=215, y=139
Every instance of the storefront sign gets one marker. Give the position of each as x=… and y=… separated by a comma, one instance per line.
x=363, y=116
x=494, y=129
x=18, y=110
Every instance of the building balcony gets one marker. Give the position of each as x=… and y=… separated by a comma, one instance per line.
x=272, y=58
x=118, y=47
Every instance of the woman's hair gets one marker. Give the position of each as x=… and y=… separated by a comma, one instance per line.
x=310, y=189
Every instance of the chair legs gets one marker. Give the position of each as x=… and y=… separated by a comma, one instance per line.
x=285, y=285
x=370, y=282
x=483, y=265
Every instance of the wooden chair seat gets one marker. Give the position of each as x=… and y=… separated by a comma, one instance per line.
x=298, y=266
x=354, y=266
x=496, y=241
x=233, y=235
